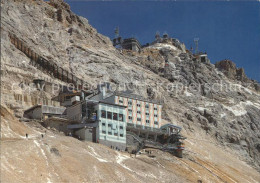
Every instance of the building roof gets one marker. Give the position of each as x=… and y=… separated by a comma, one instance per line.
x=97, y=102
x=108, y=103
x=32, y=108
x=67, y=92
x=47, y=109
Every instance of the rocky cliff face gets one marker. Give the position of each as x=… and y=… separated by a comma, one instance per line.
x=231, y=71
x=213, y=103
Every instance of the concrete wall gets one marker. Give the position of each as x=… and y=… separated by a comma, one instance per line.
x=53, y=110
x=86, y=134
x=66, y=103
x=74, y=112
x=34, y=114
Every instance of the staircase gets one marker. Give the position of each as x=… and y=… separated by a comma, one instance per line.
x=47, y=66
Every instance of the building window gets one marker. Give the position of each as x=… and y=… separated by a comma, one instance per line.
x=130, y=117
x=130, y=110
x=103, y=124
x=121, y=127
x=138, y=112
x=147, y=106
x=155, y=109
x=109, y=129
x=138, y=119
x=121, y=117
x=121, y=135
x=109, y=115
x=147, y=121
x=155, y=115
x=104, y=132
x=138, y=105
x=121, y=101
x=129, y=103
x=115, y=116
x=103, y=114
x=115, y=132
x=156, y=122
x=147, y=114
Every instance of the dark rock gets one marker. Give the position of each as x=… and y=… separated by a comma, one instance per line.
x=257, y=86
x=189, y=116
x=55, y=151
x=210, y=117
x=59, y=15
x=258, y=147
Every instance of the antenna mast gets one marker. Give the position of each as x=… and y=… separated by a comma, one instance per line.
x=117, y=32
x=118, y=39
x=196, y=41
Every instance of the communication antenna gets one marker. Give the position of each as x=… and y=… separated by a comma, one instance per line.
x=196, y=41
x=157, y=34
x=117, y=32
x=191, y=49
x=118, y=39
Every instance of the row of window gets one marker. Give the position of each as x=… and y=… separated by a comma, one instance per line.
x=139, y=119
x=110, y=133
x=139, y=112
x=138, y=105
x=112, y=115
x=110, y=126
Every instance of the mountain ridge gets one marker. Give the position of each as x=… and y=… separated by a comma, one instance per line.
x=230, y=119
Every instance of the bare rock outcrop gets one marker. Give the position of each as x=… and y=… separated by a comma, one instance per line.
x=231, y=71
x=209, y=101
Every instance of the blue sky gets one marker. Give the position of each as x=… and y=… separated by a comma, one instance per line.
x=227, y=30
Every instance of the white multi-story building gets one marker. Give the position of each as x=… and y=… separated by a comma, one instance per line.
x=139, y=111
